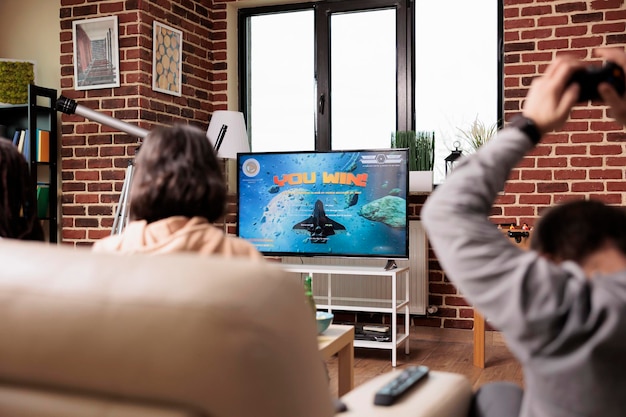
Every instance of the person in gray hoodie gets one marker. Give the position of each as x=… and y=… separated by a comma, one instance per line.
x=561, y=306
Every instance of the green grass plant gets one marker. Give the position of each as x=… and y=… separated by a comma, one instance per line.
x=421, y=146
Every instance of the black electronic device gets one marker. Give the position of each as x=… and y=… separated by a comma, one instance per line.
x=349, y=203
x=402, y=383
x=588, y=78
x=340, y=406
x=372, y=337
x=518, y=234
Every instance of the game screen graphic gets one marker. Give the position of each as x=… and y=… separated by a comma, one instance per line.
x=336, y=203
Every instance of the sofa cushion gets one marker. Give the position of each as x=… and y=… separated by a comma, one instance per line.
x=228, y=338
x=29, y=402
x=440, y=394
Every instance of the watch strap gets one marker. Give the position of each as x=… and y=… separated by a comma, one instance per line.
x=527, y=126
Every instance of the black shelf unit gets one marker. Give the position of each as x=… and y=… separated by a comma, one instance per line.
x=39, y=113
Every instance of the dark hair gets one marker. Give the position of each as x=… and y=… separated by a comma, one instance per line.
x=177, y=174
x=574, y=230
x=18, y=199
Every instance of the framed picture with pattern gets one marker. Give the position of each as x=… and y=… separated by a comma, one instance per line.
x=167, y=59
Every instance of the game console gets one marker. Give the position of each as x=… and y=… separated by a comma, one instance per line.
x=588, y=78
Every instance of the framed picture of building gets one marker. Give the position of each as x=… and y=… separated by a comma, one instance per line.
x=96, y=53
x=167, y=59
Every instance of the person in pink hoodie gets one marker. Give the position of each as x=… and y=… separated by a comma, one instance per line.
x=177, y=192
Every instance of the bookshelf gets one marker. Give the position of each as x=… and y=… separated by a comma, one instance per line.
x=38, y=116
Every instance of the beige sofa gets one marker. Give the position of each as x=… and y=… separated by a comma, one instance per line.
x=86, y=334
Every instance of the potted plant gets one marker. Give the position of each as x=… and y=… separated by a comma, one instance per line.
x=477, y=134
x=421, y=146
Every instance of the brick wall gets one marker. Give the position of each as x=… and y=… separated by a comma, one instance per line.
x=94, y=156
x=585, y=159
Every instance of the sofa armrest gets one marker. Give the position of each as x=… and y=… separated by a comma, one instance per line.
x=441, y=394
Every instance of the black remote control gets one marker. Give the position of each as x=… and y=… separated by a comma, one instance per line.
x=589, y=78
x=397, y=387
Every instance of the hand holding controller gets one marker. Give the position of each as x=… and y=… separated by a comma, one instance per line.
x=589, y=78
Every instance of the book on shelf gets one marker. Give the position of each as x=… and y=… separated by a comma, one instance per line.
x=43, y=194
x=26, y=147
x=20, y=141
x=43, y=145
x=16, y=137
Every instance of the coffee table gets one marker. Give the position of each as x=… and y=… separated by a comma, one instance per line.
x=338, y=340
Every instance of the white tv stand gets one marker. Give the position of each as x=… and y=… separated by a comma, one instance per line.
x=392, y=306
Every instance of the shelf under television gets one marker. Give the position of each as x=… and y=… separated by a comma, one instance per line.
x=371, y=344
x=397, y=303
x=358, y=304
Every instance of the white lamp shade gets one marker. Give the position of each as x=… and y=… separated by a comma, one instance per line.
x=227, y=133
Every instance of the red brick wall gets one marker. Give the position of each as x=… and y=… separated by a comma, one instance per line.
x=93, y=155
x=585, y=159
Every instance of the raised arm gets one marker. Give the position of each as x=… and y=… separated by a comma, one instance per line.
x=491, y=272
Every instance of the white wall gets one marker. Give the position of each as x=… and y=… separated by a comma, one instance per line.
x=30, y=31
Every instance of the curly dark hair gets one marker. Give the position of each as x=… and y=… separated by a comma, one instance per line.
x=177, y=173
x=18, y=198
x=575, y=229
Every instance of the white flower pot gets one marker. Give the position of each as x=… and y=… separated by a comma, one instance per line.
x=420, y=181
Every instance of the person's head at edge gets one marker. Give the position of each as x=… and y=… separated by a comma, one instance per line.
x=578, y=230
x=177, y=173
x=18, y=198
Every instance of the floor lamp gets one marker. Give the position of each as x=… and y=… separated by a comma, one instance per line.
x=228, y=135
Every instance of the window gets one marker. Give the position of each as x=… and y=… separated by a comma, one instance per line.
x=457, y=70
x=281, y=81
x=323, y=75
x=363, y=74
x=345, y=75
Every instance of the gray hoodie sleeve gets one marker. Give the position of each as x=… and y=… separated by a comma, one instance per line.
x=530, y=299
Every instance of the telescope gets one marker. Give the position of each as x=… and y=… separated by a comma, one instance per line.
x=69, y=106
x=227, y=133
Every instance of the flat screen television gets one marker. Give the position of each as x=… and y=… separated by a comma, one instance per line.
x=335, y=203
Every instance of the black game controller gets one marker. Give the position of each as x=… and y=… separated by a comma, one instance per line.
x=589, y=78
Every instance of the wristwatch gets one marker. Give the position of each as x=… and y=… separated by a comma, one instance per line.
x=527, y=126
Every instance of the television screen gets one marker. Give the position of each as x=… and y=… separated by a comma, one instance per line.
x=335, y=203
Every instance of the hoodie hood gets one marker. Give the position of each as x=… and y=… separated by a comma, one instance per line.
x=175, y=234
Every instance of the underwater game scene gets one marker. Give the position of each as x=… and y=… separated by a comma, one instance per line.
x=337, y=203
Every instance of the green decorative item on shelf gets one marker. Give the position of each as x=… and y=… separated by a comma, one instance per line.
x=308, y=292
x=421, y=146
x=15, y=76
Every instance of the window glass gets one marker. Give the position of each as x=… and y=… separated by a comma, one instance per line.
x=281, y=82
x=362, y=68
x=456, y=69
x=363, y=79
